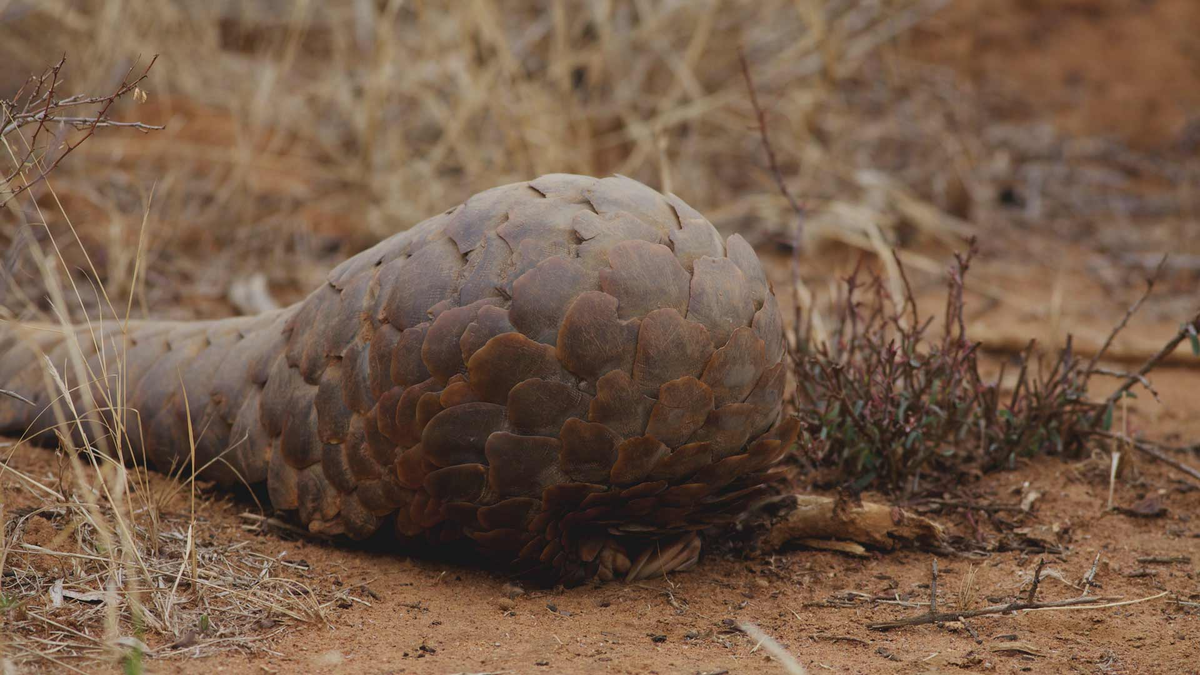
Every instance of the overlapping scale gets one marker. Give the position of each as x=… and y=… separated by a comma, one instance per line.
x=522, y=466
x=588, y=450
x=620, y=405
x=734, y=369
x=644, y=277
x=440, y=350
x=669, y=347
x=458, y=435
x=490, y=322
x=720, y=299
x=542, y=296
x=540, y=407
x=746, y=260
x=593, y=340
x=509, y=359
x=683, y=406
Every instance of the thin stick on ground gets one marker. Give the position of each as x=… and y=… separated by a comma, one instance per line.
x=1090, y=577
x=1029, y=603
x=1153, y=450
x=1093, y=602
x=1037, y=581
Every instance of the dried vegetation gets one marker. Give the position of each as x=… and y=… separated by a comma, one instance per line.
x=304, y=131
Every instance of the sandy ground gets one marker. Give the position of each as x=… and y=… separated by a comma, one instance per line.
x=415, y=615
x=400, y=612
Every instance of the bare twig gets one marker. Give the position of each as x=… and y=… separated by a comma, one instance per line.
x=1153, y=450
x=761, y=115
x=797, y=207
x=1125, y=374
x=1090, y=577
x=970, y=630
x=1186, y=331
x=1150, y=281
x=41, y=108
x=1015, y=606
x=1037, y=581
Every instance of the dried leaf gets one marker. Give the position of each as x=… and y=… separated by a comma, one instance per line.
x=1150, y=507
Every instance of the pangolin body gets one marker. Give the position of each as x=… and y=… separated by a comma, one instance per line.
x=573, y=374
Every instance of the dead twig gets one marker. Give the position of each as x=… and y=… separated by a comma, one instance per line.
x=777, y=174
x=41, y=107
x=933, y=589
x=1150, y=281
x=1125, y=374
x=761, y=115
x=1030, y=603
x=1037, y=580
x=975, y=506
x=1165, y=560
x=970, y=630
x=1090, y=577
x=1151, y=449
x=1187, y=331
x=1015, y=606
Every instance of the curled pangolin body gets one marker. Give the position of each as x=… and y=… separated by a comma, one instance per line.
x=561, y=371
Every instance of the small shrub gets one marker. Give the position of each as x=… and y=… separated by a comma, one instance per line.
x=884, y=399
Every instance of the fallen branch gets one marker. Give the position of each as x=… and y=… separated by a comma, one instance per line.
x=810, y=518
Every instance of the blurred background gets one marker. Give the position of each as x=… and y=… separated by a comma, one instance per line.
x=1063, y=133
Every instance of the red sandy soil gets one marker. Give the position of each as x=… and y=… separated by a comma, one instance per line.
x=1124, y=68
x=423, y=616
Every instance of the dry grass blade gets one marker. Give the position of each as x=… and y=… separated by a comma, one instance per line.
x=115, y=530
x=776, y=650
x=13, y=394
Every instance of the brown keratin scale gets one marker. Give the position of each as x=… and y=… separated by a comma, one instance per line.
x=577, y=375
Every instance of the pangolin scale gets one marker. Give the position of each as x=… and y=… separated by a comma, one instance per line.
x=574, y=375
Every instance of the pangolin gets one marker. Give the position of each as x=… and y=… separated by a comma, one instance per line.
x=573, y=375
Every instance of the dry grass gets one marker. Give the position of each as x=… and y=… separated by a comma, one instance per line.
x=309, y=130
x=103, y=563
x=332, y=125
x=298, y=132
